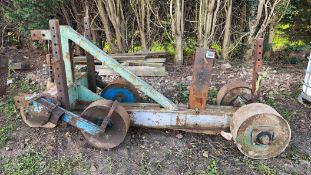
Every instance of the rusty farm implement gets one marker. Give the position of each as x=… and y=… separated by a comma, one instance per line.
x=104, y=118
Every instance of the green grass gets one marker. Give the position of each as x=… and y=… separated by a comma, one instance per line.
x=27, y=164
x=10, y=120
x=265, y=169
x=10, y=116
x=259, y=166
x=213, y=167
x=37, y=163
x=183, y=94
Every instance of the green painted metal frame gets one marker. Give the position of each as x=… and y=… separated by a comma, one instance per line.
x=78, y=91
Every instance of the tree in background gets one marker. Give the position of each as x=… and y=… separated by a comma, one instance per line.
x=175, y=25
x=25, y=15
x=177, y=21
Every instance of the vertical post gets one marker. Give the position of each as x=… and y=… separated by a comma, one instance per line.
x=257, y=67
x=67, y=58
x=90, y=60
x=58, y=65
x=202, y=68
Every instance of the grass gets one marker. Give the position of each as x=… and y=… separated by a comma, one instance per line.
x=265, y=169
x=10, y=120
x=28, y=164
x=37, y=163
x=213, y=167
x=259, y=166
x=11, y=116
x=183, y=94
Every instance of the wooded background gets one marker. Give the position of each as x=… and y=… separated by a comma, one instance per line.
x=177, y=26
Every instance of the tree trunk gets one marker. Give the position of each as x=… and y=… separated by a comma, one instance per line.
x=226, y=40
x=179, y=50
x=270, y=40
x=105, y=22
x=177, y=23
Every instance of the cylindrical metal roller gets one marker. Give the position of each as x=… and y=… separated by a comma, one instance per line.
x=116, y=129
x=259, y=131
x=236, y=93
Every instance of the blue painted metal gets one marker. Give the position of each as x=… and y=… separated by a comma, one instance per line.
x=72, y=119
x=113, y=92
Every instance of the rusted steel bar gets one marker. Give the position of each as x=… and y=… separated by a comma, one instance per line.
x=257, y=66
x=90, y=60
x=201, y=78
x=58, y=66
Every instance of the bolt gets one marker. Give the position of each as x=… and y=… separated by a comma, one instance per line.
x=264, y=139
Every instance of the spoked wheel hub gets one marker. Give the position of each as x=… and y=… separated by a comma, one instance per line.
x=116, y=127
x=259, y=131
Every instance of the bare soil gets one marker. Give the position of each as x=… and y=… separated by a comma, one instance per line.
x=150, y=151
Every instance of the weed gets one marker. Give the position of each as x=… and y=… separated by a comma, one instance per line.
x=67, y=166
x=35, y=163
x=23, y=86
x=183, y=93
x=212, y=95
x=10, y=121
x=259, y=167
x=28, y=164
x=4, y=132
x=265, y=169
x=213, y=167
x=293, y=153
x=270, y=101
x=288, y=115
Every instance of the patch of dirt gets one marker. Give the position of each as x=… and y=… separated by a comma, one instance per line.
x=151, y=151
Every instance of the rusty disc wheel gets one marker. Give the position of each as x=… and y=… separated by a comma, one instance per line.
x=236, y=93
x=116, y=129
x=259, y=131
x=121, y=90
x=38, y=120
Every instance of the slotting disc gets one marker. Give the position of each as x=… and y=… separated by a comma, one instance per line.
x=259, y=131
x=116, y=129
x=236, y=93
x=121, y=90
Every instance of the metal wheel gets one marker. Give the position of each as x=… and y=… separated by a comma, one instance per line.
x=117, y=126
x=121, y=90
x=36, y=119
x=236, y=93
x=259, y=131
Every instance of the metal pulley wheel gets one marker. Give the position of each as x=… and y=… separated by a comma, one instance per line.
x=259, y=131
x=236, y=93
x=116, y=127
x=121, y=90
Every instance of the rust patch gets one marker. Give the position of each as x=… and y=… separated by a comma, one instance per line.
x=257, y=66
x=200, y=79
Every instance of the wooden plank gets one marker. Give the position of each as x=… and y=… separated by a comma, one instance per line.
x=21, y=66
x=141, y=63
x=82, y=60
x=128, y=57
x=137, y=70
x=152, y=54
